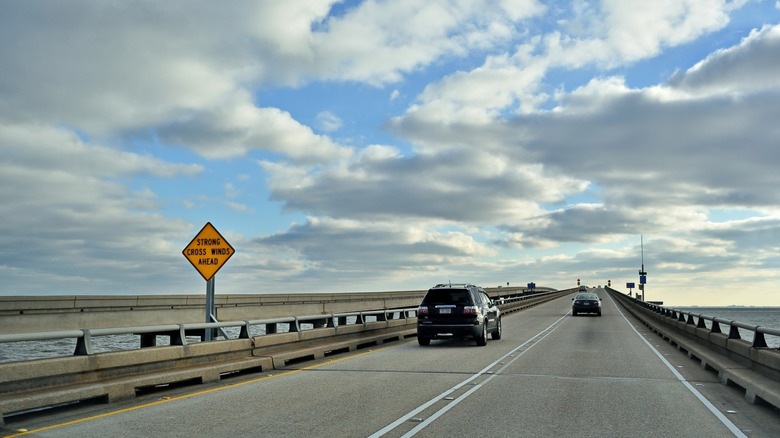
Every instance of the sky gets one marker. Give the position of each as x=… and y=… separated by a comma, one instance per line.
x=392, y=145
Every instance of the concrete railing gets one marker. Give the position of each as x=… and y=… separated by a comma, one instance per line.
x=48, y=313
x=750, y=365
x=515, y=303
x=20, y=314
x=177, y=333
x=34, y=384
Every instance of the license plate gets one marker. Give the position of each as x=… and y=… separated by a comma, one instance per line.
x=445, y=310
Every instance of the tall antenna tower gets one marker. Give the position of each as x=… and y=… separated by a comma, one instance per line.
x=642, y=273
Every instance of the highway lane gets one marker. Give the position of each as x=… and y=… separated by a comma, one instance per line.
x=550, y=375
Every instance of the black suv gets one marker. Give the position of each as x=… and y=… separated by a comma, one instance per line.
x=457, y=310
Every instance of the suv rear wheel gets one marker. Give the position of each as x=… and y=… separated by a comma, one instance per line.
x=482, y=339
x=497, y=333
x=423, y=341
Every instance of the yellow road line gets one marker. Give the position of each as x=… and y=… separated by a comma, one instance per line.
x=108, y=414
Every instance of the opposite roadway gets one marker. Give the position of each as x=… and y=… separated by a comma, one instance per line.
x=551, y=375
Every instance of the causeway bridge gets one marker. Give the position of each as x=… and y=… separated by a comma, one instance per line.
x=349, y=366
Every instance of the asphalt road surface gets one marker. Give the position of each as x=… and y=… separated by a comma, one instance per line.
x=551, y=375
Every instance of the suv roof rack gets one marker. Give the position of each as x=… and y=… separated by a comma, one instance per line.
x=453, y=285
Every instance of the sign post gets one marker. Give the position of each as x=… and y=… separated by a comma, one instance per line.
x=207, y=252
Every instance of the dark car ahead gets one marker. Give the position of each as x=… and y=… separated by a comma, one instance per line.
x=457, y=311
x=586, y=303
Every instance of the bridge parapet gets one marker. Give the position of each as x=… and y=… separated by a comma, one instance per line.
x=117, y=375
x=47, y=313
x=750, y=365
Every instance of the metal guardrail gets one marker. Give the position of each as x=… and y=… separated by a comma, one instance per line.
x=698, y=319
x=178, y=332
x=752, y=366
x=523, y=297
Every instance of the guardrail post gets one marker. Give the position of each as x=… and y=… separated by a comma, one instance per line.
x=179, y=337
x=295, y=326
x=244, y=331
x=715, y=327
x=734, y=332
x=758, y=339
x=83, y=344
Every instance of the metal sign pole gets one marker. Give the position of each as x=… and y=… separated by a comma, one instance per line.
x=642, y=273
x=210, y=308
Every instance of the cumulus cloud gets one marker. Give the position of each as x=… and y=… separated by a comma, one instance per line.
x=514, y=82
x=385, y=248
x=747, y=68
x=466, y=185
x=233, y=130
x=378, y=41
x=490, y=171
x=328, y=121
x=137, y=65
x=44, y=149
x=65, y=203
x=660, y=156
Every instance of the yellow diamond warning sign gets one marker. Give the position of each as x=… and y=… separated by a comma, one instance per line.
x=208, y=251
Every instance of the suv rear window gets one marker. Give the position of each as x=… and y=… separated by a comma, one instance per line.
x=447, y=296
x=586, y=297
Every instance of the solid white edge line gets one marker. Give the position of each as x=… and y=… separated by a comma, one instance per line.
x=723, y=419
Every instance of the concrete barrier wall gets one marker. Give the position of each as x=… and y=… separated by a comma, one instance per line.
x=54, y=313
x=118, y=375
x=20, y=314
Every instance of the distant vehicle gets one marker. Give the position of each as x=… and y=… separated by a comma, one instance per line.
x=457, y=311
x=583, y=288
x=586, y=303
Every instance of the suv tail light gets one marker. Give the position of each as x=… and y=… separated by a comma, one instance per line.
x=422, y=310
x=470, y=310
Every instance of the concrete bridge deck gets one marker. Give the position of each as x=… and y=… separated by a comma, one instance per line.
x=550, y=375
